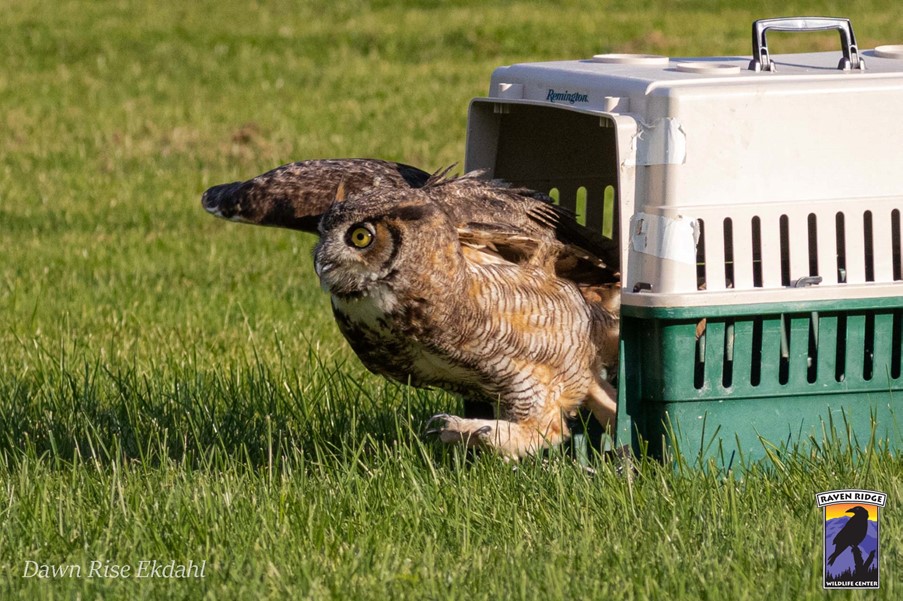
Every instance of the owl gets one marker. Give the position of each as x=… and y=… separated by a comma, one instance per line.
x=468, y=285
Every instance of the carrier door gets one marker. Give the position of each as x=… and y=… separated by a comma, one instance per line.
x=572, y=156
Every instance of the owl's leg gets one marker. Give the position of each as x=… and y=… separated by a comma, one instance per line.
x=602, y=400
x=508, y=438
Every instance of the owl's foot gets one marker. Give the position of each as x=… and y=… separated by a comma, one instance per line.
x=602, y=400
x=509, y=439
x=456, y=430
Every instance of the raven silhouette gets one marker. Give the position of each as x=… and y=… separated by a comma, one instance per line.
x=852, y=533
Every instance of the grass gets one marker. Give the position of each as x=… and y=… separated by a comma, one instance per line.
x=173, y=387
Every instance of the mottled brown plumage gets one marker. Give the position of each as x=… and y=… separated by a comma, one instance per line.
x=296, y=195
x=474, y=287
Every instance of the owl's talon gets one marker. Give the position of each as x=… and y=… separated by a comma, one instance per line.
x=429, y=422
x=456, y=430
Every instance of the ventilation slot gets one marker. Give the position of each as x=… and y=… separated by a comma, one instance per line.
x=699, y=362
x=840, y=359
x=813, y=244
x=727, y=373
x=580, y=206
x=728, y=253
x=784, y=359
x=755, y=371
x=841, y=252
x=868, y=234
x=812, y=356
x=700, y=257
x=785, y=251
x=895, y=244
x=868, y=357
x=608, y=212
x=757, y=253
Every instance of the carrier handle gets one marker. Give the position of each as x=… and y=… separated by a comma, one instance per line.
x=761, y=60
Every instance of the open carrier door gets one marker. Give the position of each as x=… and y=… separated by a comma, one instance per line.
x=576, y=158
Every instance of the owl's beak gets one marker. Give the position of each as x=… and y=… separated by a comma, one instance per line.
x=322, y=268
x=327, y=280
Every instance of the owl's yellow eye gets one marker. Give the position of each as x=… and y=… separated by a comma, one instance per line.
x=361, y=237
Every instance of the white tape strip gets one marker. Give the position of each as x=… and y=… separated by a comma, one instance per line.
x=661, y=142
x=664, y=237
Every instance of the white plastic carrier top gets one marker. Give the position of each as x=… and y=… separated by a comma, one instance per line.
x=735, y=180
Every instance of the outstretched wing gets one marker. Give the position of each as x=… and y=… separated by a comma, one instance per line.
x=296, y=195
x=515, y=224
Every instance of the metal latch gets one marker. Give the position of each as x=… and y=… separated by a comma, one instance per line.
x=806, y=281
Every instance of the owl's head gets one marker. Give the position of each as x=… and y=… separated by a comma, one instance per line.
x=381, y=237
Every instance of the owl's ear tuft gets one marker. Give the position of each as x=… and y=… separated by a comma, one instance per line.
x=340, y=192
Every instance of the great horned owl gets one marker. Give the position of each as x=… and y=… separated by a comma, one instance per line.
x=476, y=288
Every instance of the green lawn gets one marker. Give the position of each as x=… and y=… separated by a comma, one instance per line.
x=172, y=386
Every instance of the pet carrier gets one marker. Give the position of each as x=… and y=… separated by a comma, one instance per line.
x=757, y=207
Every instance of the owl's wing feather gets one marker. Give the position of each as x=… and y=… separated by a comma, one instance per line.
x=501, y=196
x=296, y=195
x=520, y=223
x=517, y=223
x=513, y=246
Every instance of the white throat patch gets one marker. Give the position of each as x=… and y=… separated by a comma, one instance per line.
x=369, y=309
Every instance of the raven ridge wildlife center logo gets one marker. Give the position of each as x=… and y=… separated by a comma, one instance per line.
x=851, y=551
